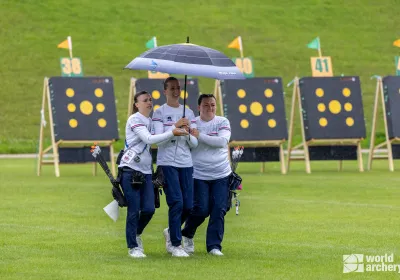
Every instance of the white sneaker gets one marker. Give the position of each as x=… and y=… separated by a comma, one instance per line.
x=139, y=243
x=215, y=252
x=188, y=245
x=168, y=244
x=177, y=251
x=136, y=253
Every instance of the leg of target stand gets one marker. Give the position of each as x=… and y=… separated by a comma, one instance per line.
x=282, y=159
x=340, y=165
x=112, y=160
x=359, y=155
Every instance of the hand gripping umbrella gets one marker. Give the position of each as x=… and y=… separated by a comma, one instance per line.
x=187, y=59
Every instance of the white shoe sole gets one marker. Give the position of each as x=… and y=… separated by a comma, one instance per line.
x=137, y=257
x=181, y=256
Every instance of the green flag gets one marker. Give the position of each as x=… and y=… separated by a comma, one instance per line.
x=314, y=44
x=152, y=43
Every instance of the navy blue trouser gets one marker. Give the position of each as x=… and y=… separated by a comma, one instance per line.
x=141, y=207
x=210, y=199
x=178, y=191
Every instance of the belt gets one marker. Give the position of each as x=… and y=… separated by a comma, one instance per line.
x=127, y=169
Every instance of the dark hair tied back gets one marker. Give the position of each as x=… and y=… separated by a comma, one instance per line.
x=135, y=100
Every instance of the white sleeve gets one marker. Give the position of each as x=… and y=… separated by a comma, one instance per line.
x=158, y=126
x=157, y=122
x=192, y=120
x=147, y=138
x=192, y=141
x=213, y=141
x=220, y=141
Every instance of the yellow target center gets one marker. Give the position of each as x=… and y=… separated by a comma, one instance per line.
x=70, y=92
x=335, y=107
x=323, y=122
x=256, y=108
x=350, y=121
x=155, y=94
x=102, y=123
x=73, y=123
x=241, y=93
x=268, y=93
x=270, y=108
x=243, y=109
x=348, y=107
x=346, y=92
x=244, y=123
x=321, y=107
x=100, y=107
x=271, y=123
x=183, y=95
x=319, y=92
x=98, y=92
x=71, y=107
x=86, y=107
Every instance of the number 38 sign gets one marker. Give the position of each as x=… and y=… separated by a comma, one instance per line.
x=71, y=67
x=321, y=66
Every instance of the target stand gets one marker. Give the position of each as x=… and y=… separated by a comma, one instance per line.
x=256, y=110
x=81, y=111
x=332, y=120
x=388, y=92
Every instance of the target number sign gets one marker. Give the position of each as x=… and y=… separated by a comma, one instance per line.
x=321, y=66
x=157, y=75
x=71, y=67
x=245, y=65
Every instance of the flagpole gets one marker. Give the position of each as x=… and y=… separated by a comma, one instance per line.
x=241, y=47
x=70, y=46
x=319, y=48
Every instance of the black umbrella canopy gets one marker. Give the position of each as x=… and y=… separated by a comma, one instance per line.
x=187, y=59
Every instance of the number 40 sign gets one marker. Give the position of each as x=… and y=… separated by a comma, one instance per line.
x=71, y=67
x=321, y=66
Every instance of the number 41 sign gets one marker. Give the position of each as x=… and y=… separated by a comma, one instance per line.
x=321, y=66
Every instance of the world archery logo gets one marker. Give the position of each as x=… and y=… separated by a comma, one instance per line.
x=153, y=65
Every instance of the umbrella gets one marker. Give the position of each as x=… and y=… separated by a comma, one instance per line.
x=187, y=59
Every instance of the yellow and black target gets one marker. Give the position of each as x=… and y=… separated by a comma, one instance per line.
x=255, y=108
x=156, y=88
x=391, y=91
x=332, y=108
x=83, y=108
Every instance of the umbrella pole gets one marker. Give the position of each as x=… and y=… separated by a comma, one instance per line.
x=184, y=97
x=184, y=88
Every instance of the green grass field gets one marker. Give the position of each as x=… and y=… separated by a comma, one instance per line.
x=293, y=226
x=358, y=35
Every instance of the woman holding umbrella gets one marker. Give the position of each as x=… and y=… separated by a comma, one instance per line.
x=175, y=160
x=174, y=156
x=136, y=165
x=211, y=176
